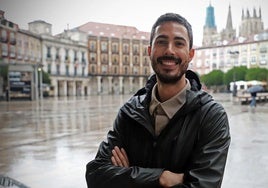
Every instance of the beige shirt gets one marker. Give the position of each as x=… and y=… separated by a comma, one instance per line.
x=163, y=112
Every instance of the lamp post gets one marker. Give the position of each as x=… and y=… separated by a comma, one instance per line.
x=40, y=66
x=234, y=55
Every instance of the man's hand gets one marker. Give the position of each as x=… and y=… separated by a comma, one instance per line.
x=169, y=179
x=119, y=157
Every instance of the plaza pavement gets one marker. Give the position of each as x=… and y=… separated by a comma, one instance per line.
x=48, y=144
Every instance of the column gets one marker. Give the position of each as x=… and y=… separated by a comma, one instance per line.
x=121, y=86
x=99, y=84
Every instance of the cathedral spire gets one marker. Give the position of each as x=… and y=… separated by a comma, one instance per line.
x=254, y=13
x=229, y=23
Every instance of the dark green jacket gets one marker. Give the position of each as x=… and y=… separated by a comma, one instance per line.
x=195, y=142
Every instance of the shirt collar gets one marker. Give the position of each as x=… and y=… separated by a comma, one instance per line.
x=172, y=105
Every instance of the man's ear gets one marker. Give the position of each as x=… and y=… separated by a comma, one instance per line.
x=149, y=50
x=191, y=54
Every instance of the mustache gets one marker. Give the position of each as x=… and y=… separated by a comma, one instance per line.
x=169, y=58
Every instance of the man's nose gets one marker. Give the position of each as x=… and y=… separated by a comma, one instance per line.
x=170, y=49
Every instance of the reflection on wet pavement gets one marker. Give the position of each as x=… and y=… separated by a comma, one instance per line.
x=48, y=144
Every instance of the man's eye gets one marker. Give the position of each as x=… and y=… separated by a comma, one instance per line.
x=161, y=42
x=179, y=44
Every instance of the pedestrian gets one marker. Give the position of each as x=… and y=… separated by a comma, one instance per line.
x=170, y=133
x=253, y=99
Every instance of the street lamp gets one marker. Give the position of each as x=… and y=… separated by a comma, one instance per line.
x=40, y=66
x=234, y=55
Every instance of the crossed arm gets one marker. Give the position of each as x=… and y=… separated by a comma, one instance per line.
x=167, y=178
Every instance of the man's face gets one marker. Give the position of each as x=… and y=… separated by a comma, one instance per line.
x=170, y=53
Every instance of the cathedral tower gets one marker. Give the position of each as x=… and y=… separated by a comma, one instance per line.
x=210, y=28
x=229, y=33
x=250, y=24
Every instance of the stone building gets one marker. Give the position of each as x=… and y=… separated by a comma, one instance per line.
x=250, y=24
x=118, y=58
x=20, y=56
x=64, y=58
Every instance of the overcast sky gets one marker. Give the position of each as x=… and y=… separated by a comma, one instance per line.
x=138, y=13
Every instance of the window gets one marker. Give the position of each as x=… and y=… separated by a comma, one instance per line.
x=57, y=57
x=115, y=70
x=83, y=71
x=92, y=57
x=66, y=54
x=12, y=52
x=125, y=48
x=93, y=69
x=115, y=47
x=83, y=58
x=115, y=59
x=253, y=60
x=136, y=60
x=48, y=52
x=3, y=35
x=49, y=68
x=145, y=71
x=104, y=58
x=75, y=70
x=263, y=49
x=92, y=46
x=12, y=38
x=58, y=69
x=135, y=49
x=145, y=50
x=104, y=46
x=125, y=61
x=104, y=69
x=75, y=56
x=67, y=70
x=4, y=50
x=263, y=60
x=135, y=70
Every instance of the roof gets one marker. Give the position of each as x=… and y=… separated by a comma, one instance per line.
x=111, y=30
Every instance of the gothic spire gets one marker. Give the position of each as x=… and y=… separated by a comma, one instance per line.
x=229, y=23
x=254, y=13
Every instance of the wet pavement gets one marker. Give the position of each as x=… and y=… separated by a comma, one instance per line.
x=48, y=144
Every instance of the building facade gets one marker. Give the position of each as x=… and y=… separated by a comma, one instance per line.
x=224, y=50
x=64, y=58
x=252, y=52
x=20, y=56
x=118, y=58
x=250, y=25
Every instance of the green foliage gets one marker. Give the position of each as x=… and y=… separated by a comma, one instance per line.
x=217, y=77
x=235, y=74
x=45, y=77
x=260, y=74
x=214, y=78
x=3, y=72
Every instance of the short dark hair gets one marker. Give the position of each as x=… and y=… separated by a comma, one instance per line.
x=173, y=17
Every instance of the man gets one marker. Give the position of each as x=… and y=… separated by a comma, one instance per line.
x=170, y=133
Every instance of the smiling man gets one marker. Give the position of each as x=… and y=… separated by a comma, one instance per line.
x=170, y=133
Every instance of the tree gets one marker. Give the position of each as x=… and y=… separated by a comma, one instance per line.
x=214, y=78
x=235, y=74
x=260, y=74
x=45, y=77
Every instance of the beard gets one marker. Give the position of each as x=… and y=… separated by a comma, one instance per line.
x=163, y=75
